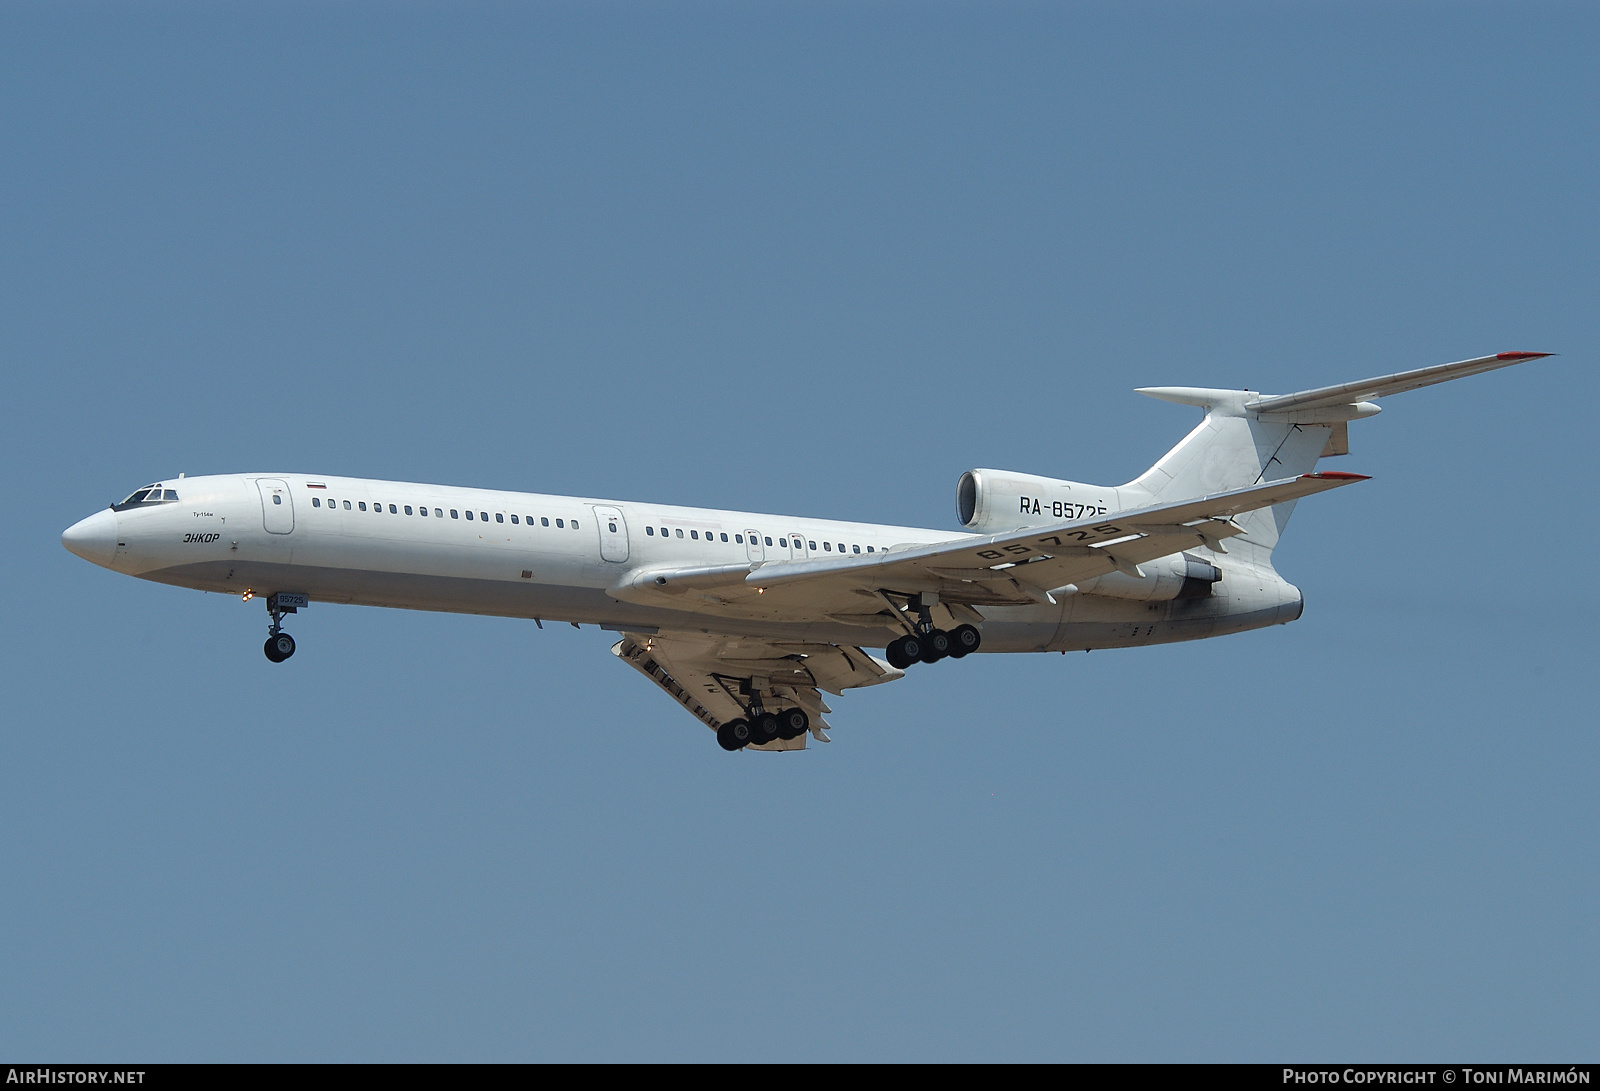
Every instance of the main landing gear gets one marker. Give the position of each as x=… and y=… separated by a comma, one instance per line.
x=927, y=644
x=280, y=645
x=932, y=646
x=763, y=727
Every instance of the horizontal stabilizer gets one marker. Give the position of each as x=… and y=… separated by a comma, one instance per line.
x=1383, y=385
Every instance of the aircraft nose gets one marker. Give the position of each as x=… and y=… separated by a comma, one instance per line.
x=95, y=538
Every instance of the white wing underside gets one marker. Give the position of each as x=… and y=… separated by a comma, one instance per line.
x=704, y=672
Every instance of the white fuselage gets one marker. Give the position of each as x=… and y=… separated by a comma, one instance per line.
x=367, y=542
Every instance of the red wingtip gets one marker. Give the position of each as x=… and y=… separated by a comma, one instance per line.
x=1337, y=475
x=1522, y=355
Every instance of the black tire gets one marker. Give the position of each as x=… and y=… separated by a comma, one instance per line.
x=271, y=649
x=911, y=649
x=935, y=646
x=763, y=728
x=733, y=735
x=964, y=640
x=895, y=653
x=792, y=723
x=284, y=643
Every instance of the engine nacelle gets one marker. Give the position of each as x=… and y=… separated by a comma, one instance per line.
x=995, y=501
x=1179, y=576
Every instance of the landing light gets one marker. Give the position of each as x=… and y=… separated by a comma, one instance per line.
x=248, y=595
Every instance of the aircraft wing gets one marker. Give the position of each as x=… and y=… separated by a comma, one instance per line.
x=1015, y=568
x=703, y=673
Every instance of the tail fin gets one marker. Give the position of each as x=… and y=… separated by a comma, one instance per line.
x=1230, y=450
x=1247, y=437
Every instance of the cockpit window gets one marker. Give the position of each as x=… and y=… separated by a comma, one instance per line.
x=150, y=494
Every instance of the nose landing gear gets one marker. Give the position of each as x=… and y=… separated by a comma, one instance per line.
x=280, y=645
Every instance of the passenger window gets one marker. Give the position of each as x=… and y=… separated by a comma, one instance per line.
x=315, y=502
x=276, y=499
x=783, y=543
x=695, y=534
x=469, y=516
x=513, y=518
x=499, y=518
x=869, y=549
x=393, y=510
x=613, y=527
x=724, y=536
x=827, y=546
x=769, y=539
x=680, y=532
x=362, y=504
x=650, y=531
x=422, y=512
x=347, y=505
x=841, y=547
x=574, y=524
x=437, y=514
x=561, y=524
x=453, y=514
x=545, y=521
x=855, y=549
x=739, y=538
x=484, y=516
x=408, y=509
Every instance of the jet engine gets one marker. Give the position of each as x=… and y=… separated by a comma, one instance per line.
x=995, y=501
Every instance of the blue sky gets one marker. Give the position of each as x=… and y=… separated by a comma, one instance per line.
x=809, y=259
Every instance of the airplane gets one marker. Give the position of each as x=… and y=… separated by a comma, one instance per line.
x=746, y=619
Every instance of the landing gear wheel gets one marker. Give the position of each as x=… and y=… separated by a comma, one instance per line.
x=895, y=653
x=792, y=723
x=279, y=647
x=964, y=639
x=910, y=651
x=733, y=735
x=763, y=728
x=935, y=646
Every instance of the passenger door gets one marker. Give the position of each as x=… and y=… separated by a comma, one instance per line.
x=613, y=534
x=277, y=505
x=753, y=550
